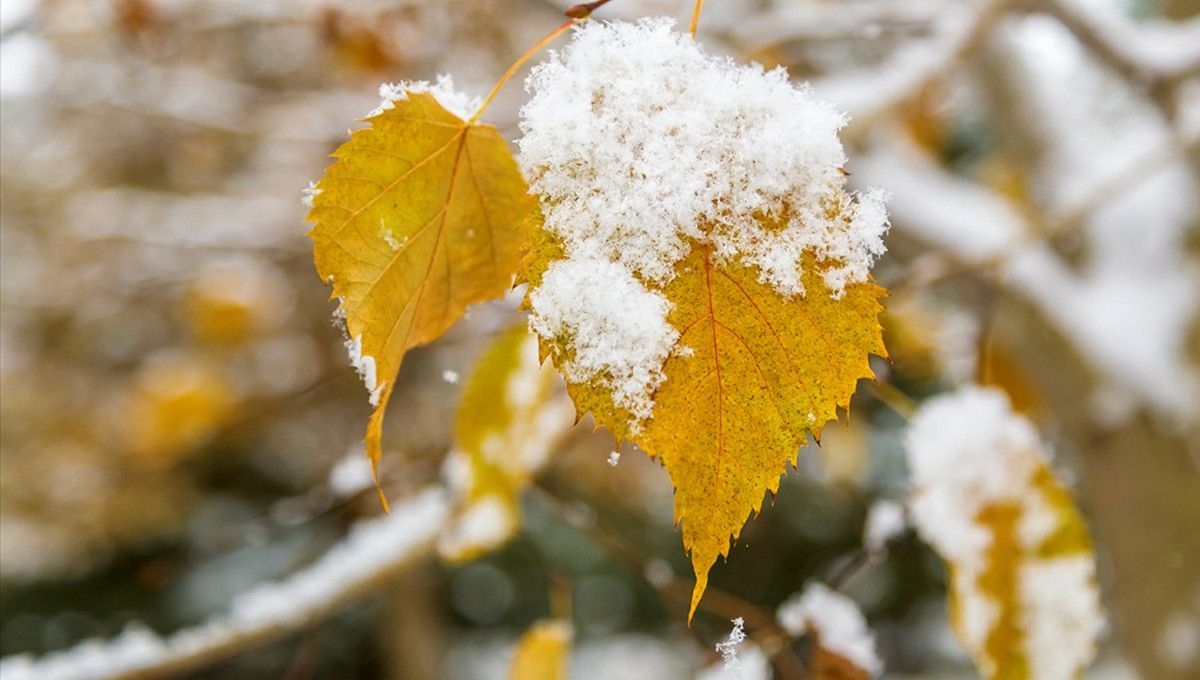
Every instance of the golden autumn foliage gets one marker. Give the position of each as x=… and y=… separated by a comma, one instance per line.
x=176, y=404
x=420, y=216
x=767, y=372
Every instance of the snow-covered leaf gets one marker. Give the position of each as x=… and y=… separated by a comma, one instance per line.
x=1023, y=593
x=701, y=276
x=843, y=647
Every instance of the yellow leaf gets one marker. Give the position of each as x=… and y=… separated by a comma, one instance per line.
x=1008, y=563
x=543, y=652
x=1022, y=590
x=421, y=216
x=766, y=371
x=512, y=412
x=760, y=372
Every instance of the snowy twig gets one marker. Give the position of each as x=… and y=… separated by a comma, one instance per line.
x=374, y=552
x=1070, y=219
x=870, y=95
x=1156, y=59
x=796, y=22
x=1151, y=55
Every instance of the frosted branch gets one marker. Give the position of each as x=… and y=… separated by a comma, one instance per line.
x=375, y=551
x=1154, y=52
x=869, y=95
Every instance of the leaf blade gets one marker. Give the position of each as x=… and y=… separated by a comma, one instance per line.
x=762, y=354
x=420, y=216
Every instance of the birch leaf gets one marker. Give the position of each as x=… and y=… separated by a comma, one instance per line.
x=752, y=375
x=421, y=216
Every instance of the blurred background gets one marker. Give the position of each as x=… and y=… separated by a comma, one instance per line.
x=180, y=422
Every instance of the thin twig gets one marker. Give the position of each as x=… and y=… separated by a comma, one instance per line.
x=575, y=13
x=774, y=641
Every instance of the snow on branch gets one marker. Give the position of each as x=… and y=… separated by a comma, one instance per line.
x=788, y=22
x=373, y=552
x=836, y=621
x=1095, y=308
x=870, y=94
x=1153, y=51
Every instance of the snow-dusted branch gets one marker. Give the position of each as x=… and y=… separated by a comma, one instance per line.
x=871, y=94
x=374, y=552
x=980, y=228
x=1151, y=54
x=791, y=22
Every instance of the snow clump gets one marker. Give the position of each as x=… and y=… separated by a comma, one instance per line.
x=641, y=146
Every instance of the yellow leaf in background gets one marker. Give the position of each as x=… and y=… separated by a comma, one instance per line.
x=230, y=303
x=421, y=216
x=177, y=404
x=512, y=411
x=543, y=652
x=1009, y=562
x=1022, y=589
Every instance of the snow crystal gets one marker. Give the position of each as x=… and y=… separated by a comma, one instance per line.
x=968, y=450
x=450, y=376
x=618, y=327
x=458, y=103
x=309, y=193
x=365, y=366
x=728, y=648
x=637, y=140
x=752, y=664
x=614, y=457
x=837, y=623
x=885, y=521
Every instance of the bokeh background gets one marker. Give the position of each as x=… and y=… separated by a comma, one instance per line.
x=180, y=422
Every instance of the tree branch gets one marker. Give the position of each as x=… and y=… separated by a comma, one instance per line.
x=375, y=552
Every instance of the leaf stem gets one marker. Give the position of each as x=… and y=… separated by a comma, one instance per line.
x=576, y=13
x=695, y=17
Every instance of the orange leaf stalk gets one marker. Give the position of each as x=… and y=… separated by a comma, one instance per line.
x=577, y=13
x=695, y=17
